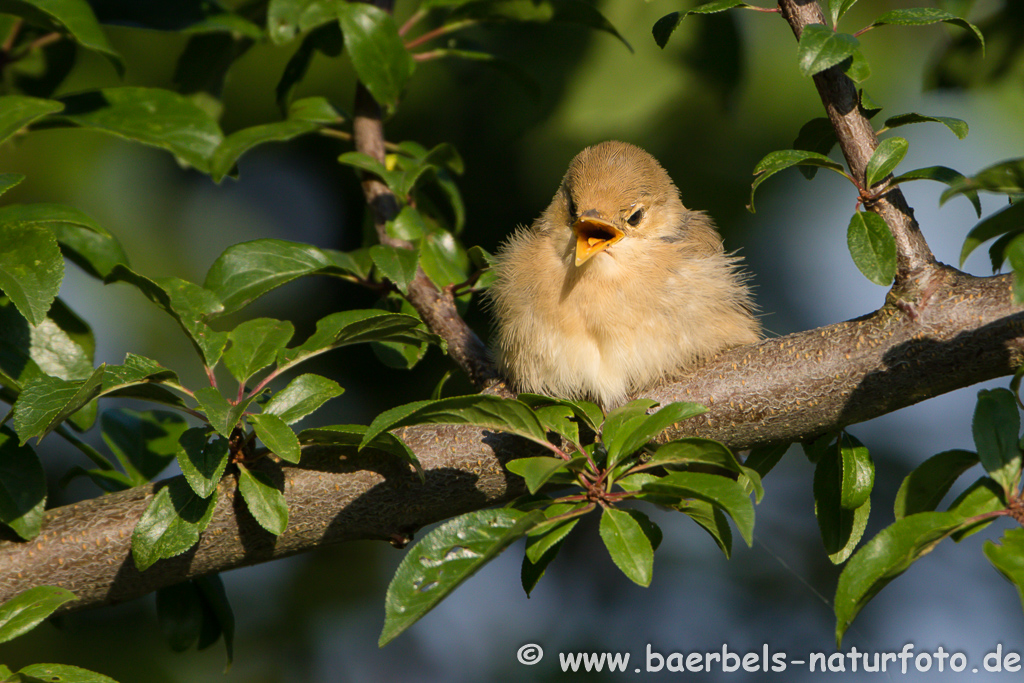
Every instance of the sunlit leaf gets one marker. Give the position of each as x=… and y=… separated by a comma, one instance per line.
x=26, y=610
x=872, y=247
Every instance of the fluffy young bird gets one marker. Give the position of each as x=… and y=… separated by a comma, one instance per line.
x=616, y=286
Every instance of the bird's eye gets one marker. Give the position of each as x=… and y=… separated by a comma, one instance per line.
x=635, y=218
x=572, y=209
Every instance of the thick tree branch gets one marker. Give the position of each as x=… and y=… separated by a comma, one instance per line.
x=960, y=330
x=858, y=141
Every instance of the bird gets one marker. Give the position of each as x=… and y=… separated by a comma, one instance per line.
x=616, y=286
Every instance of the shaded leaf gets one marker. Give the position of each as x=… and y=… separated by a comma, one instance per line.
x=73, y=18
x=222, y=414
x=539, y=11
x=61, y=673
x=202, y=460
x=537, y=471
x=762, y=459
x=171, y=523
x=841, y=527
x=712, y=520
x=143, y=442
x=1007, y=220
x=396, y=264
x=446, y=557
x=978, y=499
x=18, y=111
x=352, y=436
x=942, y=174
x=22, y=486
x=1005, y=177
x=238, y=143
x=692, y=451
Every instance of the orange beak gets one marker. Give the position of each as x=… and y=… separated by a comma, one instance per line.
x=593, y=235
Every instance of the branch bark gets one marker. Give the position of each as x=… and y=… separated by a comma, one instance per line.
x=777, y=390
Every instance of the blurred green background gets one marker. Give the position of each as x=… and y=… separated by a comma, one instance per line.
x=721, y=95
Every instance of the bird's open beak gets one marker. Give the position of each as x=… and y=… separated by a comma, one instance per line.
x=593, y=235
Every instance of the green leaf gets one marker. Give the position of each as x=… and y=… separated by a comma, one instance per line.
x=277, y=436
x=885, y=557
x=996, y=428
x=376, y=50
x=978, y=499
x=712, y=488
x=171, y=523
x=18, y=111
x=1004, y=177
x=222, y=414
x=143, y=442
x=922, y=16
x=559, y=419
x=446, y=557
x=302, y=396
x=531, y=571
x=858, y=472
x=28, y=609
x=1008, y=558
x=238, y=143
x=619, y=427
x=884, y=159
x=31, y=267
x=61, y=673
x=1008, y=220
x=327, y=40
x=872, y=247
x=352, y=436
x=355, y=327
x=443, y=259
x=538, y=11
x=712, y=520
x=1015, y=255
x=817, y=135
x=649, y=428
x=820, y=48
x=254, y=345
x=666, y=26
x=588, y=413
x=315, y=109
x=694, y=451
x=537, y=471
x=836, y=480
x=46, y=401
x=73, y=18
x=491, y=412
x=266, y=503
x=9, y=180
x=247, y=271
x=942, y=174
x=837, y=8
x=957, y=126
x=81, y=239
x=283, y=18
x=923, y=489
x=628, y=545
x=396, y=264
x=151, y=116
x=189, y=304
x=364, y=162
x=202, y=461
x=762, y=459
x=780, y=160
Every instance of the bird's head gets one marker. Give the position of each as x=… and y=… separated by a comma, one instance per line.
x=613, y=192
